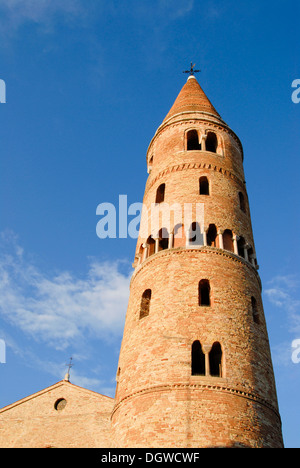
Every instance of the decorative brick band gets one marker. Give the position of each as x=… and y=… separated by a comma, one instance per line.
x=186, y=166
x=216, y=124
x=203, y=249
x=200, y=386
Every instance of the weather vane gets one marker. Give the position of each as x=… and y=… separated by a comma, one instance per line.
x=192, y=70
x=70, y=365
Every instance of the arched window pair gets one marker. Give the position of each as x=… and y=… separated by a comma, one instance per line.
x=243, y=249
x=207, y=364
x=178, y=240
x=193, y=143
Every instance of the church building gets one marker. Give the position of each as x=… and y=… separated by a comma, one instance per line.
x=195, y=368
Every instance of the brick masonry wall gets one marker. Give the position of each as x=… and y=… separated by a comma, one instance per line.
x=35, y=423
x=156, y=350
x=158, y=402
x=181, y=170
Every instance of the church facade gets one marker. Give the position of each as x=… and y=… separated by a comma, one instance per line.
x=195, y=366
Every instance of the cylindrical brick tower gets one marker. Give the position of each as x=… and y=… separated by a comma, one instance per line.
x=195, y=367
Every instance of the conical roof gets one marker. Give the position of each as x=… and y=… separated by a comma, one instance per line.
x=191, y=99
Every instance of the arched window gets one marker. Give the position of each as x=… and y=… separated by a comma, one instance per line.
x=160, y=194
x=252, y=258
x=163, y=239
x=150, y=164
x=227, y=240
x=242, y=202
x=179, y=236
x=117, y=380
x=212, y=236
x=204, y=293
x=211, y=142
x=198, y=359
x=151, y=246
x=192, y=141
x=255, y=313
x=195, y=236
x=145, y=303
x=241, y=245
x=203, y=186
x=215, y=360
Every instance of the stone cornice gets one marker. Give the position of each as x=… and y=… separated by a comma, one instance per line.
x=209, y=386
x=186, y=166
x=216, y=123
x=199, y=250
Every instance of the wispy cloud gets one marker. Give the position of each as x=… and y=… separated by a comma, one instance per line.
x=16, y=13
x=62, y=308
x=283, y=292
x=38, y=10
x=176, y=9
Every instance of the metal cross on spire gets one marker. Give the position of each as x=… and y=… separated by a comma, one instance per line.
x=70, y=365
x=192, y=70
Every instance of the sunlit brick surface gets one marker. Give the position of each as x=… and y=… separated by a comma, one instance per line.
x=159, y=403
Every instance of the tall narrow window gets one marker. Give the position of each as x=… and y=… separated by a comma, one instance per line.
x=241, y=245
x=204, y=186
x=160, y=194
x=117, y=380
x=179, y=236
x=198, y=359
x=251, y=256
x=204, y=293
x=196, y=238
x=215, y=360
x=193, y=141
x=212, y=236
x=151, y=246
x=242, y=202
x=145, y=303
x=255, y=313
x=211, y=142
x=227, y=240
x=163, y=239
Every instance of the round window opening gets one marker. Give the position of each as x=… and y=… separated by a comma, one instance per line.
x=60, y=404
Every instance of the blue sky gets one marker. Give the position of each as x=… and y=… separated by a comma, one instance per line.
x=88, y=83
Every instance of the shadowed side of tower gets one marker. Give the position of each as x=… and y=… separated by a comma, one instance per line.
x=195, y=368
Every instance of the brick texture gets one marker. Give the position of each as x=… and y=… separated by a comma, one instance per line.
x=34, y=422
x=159, y=403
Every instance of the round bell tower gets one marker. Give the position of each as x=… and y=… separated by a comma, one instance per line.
x=195, y=367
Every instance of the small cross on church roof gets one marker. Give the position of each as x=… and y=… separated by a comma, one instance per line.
x=192, y=70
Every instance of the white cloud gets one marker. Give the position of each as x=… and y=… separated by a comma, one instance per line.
x=176, y=9
x=15, y=13
x=284, y=294
x=37, y=10
x=62, y=308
